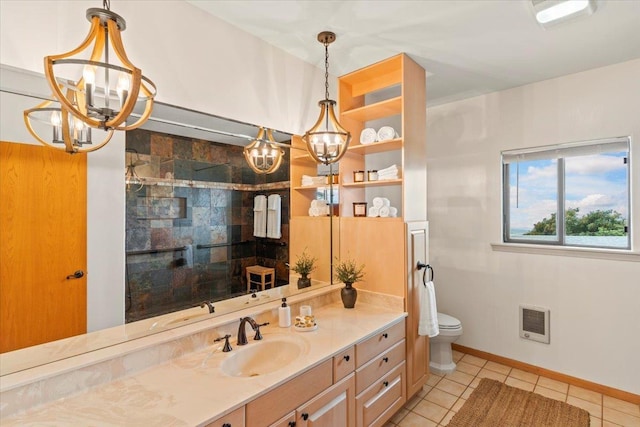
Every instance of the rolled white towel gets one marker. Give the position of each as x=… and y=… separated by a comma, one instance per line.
x=393, y=212
x=373, y=212
x=384, y=211
x=318, y=203
x=392, y=168
x=387, y=132
x=386, y=202
x=378, y=202
x=314, y=212
x=368, y=136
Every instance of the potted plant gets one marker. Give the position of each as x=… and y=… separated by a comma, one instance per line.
x=348, y=272
x=304, y=265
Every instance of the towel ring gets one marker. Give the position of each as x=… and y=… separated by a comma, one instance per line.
x=420, y=265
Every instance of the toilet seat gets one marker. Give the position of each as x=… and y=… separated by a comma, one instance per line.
x=448, y=322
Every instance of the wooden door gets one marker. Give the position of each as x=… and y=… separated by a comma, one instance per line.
x=43, y=235
x=417, y=346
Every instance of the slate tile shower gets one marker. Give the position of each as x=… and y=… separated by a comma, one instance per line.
x=189, y=229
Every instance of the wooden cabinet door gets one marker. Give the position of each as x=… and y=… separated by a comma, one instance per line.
x=333, y=407
x=417, y=346
x=43, y=239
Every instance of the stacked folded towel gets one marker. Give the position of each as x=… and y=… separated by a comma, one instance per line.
x=388, y=173
x=319, y=208
x=313, y=180
x=382, y=208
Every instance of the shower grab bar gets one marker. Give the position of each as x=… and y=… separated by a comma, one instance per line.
x=157, y=251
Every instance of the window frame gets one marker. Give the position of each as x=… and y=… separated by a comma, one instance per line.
x=561, y=150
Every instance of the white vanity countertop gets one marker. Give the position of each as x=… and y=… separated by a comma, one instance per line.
x=191, y=390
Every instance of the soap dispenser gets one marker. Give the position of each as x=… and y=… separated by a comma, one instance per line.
x=284, y=314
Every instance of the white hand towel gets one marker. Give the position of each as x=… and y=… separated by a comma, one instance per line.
x=373, y=212
x=428, y=322
x=260, y=216
x=274, y=216
x=378, y=202
x=384, y=211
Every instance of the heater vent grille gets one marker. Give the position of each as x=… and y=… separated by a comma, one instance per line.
x=534, y=323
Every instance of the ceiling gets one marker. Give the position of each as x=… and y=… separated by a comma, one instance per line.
x=468, y=47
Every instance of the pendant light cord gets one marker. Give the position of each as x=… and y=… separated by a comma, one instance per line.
x=106, y=4
x=326, y=70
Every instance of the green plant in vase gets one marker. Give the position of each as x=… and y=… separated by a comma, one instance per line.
x=349, y=272
x=304, y=265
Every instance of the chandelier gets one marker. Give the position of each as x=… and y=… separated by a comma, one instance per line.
x=263, y=155
x=104, y=94
x=327, y=140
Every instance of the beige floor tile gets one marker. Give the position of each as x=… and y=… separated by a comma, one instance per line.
x=595, y=422
x=467, y=368
x=425, y=389
x=398, y=416
x=433, y=380
x=460, y=378
x=621, y=418
x=475, y=382
x=498, y=367
x=552, y=394
x=447, y=418
x=411, y=403
x=524, y=376
x=608, y=424
x=584, y=394
x=430, y=410
x=451, y=387
x=441, y=398
x=457, y=355
x=553, y=384
x=414, y=420
x=485, y=373
x=473, y=360
x=514, y=382
x=467, y=393
x=594, y=409
x=459, y=403
x=621, y=405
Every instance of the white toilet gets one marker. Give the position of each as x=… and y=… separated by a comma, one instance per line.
x=440, y=355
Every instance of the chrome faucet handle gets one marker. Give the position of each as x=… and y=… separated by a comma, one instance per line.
x=227, y=347
x=209, y=305
x=258, y=335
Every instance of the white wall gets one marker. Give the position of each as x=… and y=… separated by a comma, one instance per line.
x=595, y=303
x=196, y=61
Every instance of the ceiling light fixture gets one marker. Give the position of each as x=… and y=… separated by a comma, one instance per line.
x=263, y=155
x=327, y=140
x=105, y=93
x=550, y=12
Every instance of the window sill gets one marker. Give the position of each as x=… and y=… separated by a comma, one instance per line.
x=610, y=254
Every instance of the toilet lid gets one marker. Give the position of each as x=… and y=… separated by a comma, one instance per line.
x=448, y=322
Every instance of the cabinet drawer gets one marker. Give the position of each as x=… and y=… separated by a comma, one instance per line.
x=343, y=364
x=379, y=366
x=379, y=343
x=232, y=419
x=270, y=407
x=377, y=404
x=288, y=420
x=333, y=407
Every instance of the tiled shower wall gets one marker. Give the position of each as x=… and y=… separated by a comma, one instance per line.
x=189, y=231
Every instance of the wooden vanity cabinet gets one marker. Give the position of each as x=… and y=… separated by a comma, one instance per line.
x=381, y=376
x=333, y=407
x=232, y=419
x=288, y=420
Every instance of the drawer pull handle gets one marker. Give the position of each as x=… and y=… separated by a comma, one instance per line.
x=346, y=357
x=226, y=425
x=385, y=359
x=305, y=416
x=292, y=424
x=385, y=383
x=385, y=335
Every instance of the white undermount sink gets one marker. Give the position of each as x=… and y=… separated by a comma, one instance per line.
x=263, y=357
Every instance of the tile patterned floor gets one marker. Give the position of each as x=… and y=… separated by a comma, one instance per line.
x=443, y=396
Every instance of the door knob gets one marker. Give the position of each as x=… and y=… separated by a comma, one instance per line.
x=77, y=275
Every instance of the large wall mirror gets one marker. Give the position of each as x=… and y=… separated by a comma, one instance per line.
x=189, y=235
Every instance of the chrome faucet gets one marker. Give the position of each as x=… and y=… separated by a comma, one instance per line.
x=242, y=333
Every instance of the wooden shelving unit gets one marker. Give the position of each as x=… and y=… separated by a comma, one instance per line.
x=388, y=246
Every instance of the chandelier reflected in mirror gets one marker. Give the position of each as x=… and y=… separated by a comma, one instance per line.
x=96, y=85
x=263, y=154
x=327, y=140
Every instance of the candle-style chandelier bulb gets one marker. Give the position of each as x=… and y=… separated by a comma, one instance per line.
x=327, y=140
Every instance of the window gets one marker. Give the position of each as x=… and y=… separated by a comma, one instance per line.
x=570, y=194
